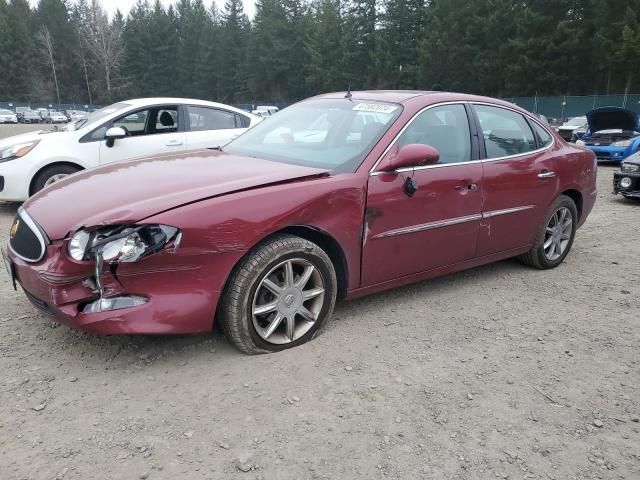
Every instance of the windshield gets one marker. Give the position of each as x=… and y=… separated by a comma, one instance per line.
x=97, y=116
x=576, y=122
x=322, y=133
x=6, y=112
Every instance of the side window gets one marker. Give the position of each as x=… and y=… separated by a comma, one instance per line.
x=543, y=135
x=166, y=121
x=505, y=132
x=150, y=121
x=446, y=128
x=242, y=121
x=204, y=118
x=135, y=122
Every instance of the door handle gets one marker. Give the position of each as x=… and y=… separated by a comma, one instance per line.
x=546, y=174
x=471, y=187
x=174, y=143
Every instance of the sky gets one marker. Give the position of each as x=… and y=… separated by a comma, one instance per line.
x=124, y=5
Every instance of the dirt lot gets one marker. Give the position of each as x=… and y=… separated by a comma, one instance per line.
x=498, y=372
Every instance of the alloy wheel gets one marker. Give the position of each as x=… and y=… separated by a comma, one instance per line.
x=288, y=301
x=558, y=233
x=55, y=178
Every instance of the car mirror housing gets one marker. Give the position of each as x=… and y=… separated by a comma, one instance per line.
x=412, y=155
x=113, y=134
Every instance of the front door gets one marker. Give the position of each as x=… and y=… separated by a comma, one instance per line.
x=438, y=225
x=151, y=131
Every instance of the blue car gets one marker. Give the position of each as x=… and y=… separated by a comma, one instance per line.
x=613, y=133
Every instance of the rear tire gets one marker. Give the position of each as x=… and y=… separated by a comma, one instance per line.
x=555, y=237
x=279, y=296
x=51, y=175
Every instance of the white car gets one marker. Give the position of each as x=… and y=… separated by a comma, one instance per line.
x=7, y=116
x=122, y=131
x=571, y=127
x=57, y=117
x=265, y=110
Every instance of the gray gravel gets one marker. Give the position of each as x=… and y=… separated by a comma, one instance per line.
x=498, y=372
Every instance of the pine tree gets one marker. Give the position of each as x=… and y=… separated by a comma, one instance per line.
x=402, y=28
x=19, y=58
x=360, y=63
x=324, y=47
x=234, y=42
x=54, y=17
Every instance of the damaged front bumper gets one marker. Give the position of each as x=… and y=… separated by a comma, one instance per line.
x=162, y=294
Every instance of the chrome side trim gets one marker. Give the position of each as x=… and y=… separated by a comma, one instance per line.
x=22, y=213
x=506, y=211
x=428, y=226
x=373, y=173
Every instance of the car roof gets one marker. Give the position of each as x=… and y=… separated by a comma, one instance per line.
x=405, y=96
x=141, y=102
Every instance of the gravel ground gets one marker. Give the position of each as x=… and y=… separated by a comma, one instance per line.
x=498, y=372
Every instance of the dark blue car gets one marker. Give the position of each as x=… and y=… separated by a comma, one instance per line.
x=613, y=134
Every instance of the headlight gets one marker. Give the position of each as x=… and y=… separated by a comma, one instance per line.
x=580, y=143
x=622, y=143
x=630, y=167
x=122, y=244
x=16, y=151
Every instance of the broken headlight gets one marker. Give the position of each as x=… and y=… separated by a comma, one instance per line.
x=122, y=244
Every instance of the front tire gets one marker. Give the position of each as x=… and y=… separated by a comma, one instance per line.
x=555, y=238
x=279, y=296
x=51, y=175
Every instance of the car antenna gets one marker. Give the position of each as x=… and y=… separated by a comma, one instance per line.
x=348, y=95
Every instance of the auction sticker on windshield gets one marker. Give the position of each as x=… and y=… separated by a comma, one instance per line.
x=375, y=108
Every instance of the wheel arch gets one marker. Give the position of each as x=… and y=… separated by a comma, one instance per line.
x=49, y=165
x=330, y=245
x=320, y=237
x=576, y=196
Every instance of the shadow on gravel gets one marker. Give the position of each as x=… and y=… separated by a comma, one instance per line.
x=127, y=350
x=9, y=208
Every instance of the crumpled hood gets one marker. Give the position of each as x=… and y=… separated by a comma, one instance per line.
x=127, y=192
x=612, y=118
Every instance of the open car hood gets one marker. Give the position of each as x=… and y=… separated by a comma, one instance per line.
x=130, y=191
x=613, y=118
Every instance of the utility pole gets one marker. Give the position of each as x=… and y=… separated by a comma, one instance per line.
x=47, y=43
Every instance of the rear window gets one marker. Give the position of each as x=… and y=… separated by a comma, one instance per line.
x=543, y=136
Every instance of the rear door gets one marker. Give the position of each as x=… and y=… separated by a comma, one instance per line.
x=438, y=225
x=151, y=131
x=210, y=127
x=519, y=178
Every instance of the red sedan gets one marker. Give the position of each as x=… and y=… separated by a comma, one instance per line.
x=335, y=197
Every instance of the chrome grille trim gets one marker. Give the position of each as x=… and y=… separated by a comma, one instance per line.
x=33, y=226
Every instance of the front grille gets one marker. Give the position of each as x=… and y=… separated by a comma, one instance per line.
x=598, y=142
x=603, y=155
x=26, y=239
x=39, y=304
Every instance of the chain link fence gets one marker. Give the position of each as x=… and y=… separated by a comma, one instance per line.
x=575, y=106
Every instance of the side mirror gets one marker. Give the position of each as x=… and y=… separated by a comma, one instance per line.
x=412, y=155
x=113, y=134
